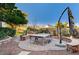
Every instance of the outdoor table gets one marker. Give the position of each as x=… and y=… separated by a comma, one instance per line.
x=38, y=36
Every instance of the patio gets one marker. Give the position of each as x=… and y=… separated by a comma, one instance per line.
x=11, y=48
x=37, y=47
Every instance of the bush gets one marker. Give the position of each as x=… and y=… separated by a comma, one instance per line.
x=54, y=32
x=43, y=30
x=37, y=30
x=31, y=30
x=2, y=35
x=65, y=32
x=4, y=32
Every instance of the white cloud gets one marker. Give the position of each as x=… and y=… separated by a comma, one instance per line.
x=77, y=24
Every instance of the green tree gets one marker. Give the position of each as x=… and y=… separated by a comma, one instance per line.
x=10, y=14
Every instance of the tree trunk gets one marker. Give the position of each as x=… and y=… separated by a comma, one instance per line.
x=12, y=26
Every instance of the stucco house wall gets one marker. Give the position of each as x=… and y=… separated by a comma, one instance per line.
x=2, y=24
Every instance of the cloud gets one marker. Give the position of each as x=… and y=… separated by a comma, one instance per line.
x=77, y=24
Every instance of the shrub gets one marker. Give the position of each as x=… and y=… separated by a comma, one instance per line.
x=4, y=32
x=54, y=32
x=43, y=30
x=65, y=32
x=37, y=30
x=31, y=30
x=2, y=35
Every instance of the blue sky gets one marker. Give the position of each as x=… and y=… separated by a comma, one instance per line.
x=48, y=13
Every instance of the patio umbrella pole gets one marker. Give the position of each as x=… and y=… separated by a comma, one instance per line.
x=60, y=25
x=71, y=23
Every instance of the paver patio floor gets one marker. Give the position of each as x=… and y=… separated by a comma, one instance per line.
x=11, y=48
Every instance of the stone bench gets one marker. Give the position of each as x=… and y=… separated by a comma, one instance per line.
x=73, y=46
x=5, y=40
